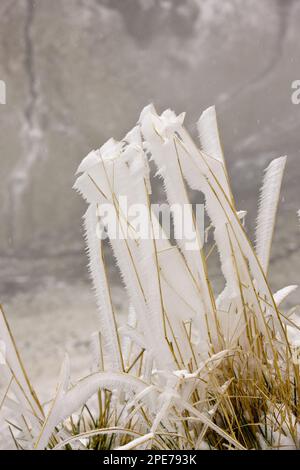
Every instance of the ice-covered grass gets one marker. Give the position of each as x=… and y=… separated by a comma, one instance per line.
x=192, y=369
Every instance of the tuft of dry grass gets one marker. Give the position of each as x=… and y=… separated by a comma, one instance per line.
x=192, y=369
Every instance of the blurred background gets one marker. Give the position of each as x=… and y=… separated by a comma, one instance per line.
x=78, y=72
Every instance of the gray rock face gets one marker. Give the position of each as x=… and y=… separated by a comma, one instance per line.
x=79, y=72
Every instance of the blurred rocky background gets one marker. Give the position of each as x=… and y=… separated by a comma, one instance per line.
x=78, y=72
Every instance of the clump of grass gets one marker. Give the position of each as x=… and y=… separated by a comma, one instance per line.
x=192, y=369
